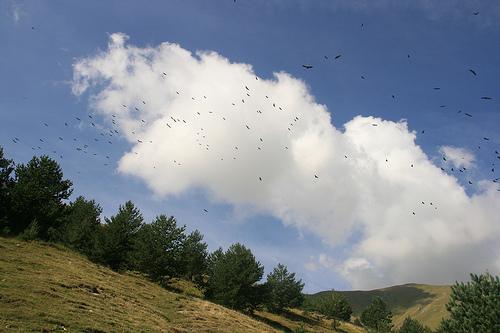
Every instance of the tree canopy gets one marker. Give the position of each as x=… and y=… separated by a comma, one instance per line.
x=233, y=277
x=474, y=306
x=377, y=316
x=284, y=290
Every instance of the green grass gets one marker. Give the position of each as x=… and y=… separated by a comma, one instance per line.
x=49, y=288
x=426, y=303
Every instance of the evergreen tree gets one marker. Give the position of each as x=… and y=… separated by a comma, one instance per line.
x=335, y=306
x=233, y=278
x=474, y=306
x=119, y=237
x=37, y=196
x=6, y=182
x=413, y=326
x=159, y=246
x=332, y=305
x=83, y=225
x=377, y=316
x=284, y=289
x=194, y=257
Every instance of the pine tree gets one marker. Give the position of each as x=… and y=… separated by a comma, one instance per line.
x=6, y=182
x=119, y=237
x=377, y=316
x=194, y=257
x=474, y=306
x=158, y=250
x=233, y=277
x=413, y=326
x=284, y=290
x=82, y=225
x=38, y=195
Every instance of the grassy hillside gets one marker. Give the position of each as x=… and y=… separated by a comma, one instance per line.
x=47, y=288
x=426, y=303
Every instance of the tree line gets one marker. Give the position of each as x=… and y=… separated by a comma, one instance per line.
x=35, y=205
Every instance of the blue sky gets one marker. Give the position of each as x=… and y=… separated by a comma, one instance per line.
x=42, y=40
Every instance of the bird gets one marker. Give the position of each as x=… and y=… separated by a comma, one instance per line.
x=307, y=66
x=316, y=176
x=206, y=211
x=475, y=13
x=486, y=97
x=473, y=72
x=338, y=56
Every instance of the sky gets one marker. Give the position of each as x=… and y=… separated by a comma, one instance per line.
x=377, y=166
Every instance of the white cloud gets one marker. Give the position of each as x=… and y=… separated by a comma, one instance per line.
x=459, y=157
x=16, y=12
x=322, y=261
x=194, y=137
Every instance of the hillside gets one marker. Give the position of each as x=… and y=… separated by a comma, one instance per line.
x=426, y=303
x=49, y=288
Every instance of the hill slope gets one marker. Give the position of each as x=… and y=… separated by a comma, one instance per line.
x=426, y=303
x=48, y=288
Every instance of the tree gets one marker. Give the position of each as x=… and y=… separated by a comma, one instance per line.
x=37, y=196
x=83, y=225
x=413, y=326
x=119, y=237
x=6, y=168
x=332, y=305
x=158, y=250
x=233, y=278
x=474, y=306
x=194, y=257
x=284, y=289
x=377, y=316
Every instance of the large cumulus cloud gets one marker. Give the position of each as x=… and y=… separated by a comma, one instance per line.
x=200, y=121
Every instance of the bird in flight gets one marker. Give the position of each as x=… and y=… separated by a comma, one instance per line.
x=473, y=72
x=307, y=66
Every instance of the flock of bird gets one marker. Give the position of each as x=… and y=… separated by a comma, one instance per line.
x=105, y=136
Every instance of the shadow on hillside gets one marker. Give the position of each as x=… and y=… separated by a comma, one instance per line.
x=397, y=298
x=299, y=318
x=292, y=316
x=272, y=323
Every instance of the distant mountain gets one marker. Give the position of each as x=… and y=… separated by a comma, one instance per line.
x=425, y=303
